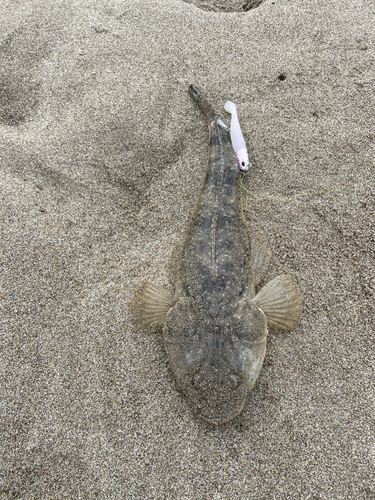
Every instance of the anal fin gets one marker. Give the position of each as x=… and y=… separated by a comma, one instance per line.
x=281, y=302
x=150, y=305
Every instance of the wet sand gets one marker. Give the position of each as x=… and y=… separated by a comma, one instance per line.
x=102, y=157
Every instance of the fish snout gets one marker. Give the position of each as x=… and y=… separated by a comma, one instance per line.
x=216, y=397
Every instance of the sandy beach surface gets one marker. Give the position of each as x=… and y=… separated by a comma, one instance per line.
x=102, y=157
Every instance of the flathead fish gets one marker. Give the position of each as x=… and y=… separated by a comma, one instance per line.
x=215, y=326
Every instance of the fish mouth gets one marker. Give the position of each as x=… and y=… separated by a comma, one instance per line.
x=217, y=407
x=215, y=417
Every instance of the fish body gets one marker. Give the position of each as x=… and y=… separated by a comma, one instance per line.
x=215, y=329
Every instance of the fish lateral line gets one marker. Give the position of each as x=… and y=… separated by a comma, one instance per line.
x=213, y=247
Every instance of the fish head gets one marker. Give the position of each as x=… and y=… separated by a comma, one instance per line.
x=216, y=363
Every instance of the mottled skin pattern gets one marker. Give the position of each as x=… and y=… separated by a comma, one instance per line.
x=214, y=336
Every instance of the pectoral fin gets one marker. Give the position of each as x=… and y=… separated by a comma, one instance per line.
x=150, y=305
x=281, y=302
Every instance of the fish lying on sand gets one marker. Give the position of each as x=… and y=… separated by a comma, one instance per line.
x=215, y=327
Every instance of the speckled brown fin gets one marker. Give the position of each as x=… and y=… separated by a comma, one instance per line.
x=260, y=256
x=281, y=302
x=150, y=305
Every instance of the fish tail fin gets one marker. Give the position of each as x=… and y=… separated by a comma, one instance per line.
x=281, y=302
x=202, y=102
x=150, y=306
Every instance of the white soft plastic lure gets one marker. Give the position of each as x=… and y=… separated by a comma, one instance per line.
x=238, y=142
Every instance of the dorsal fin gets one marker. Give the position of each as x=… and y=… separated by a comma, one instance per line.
x=260, y=256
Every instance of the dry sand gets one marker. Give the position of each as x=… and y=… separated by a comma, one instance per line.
x=102, y=157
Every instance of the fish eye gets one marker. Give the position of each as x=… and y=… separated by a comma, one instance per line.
x=243, y=163
x=233, y=381
x=197, y=380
